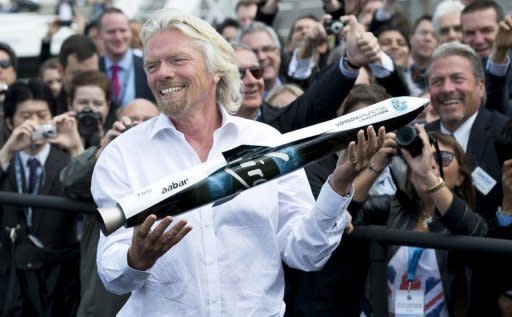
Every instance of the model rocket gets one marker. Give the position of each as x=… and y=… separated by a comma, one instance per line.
x=247, y=166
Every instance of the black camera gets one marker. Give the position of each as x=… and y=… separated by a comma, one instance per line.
x=333, y=26
x=408, y=138
x=503, y=143
x=88, y=122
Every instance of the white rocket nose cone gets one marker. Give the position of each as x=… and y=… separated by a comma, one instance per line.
x=111, y=219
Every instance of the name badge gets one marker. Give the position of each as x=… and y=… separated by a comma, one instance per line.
x=482, y=181
x=409, y=302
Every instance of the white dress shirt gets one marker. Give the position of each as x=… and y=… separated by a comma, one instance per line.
x=230, y=263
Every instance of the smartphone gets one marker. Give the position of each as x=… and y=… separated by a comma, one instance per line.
x=43, y=132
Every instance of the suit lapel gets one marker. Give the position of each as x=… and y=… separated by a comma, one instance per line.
x=52, y=166
x=479, y=137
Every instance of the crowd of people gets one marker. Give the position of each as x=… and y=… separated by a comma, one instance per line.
x=125, y=104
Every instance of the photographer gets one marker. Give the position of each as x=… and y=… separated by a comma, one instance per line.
x=76, y=180
x=38, y=247
x=90, y=103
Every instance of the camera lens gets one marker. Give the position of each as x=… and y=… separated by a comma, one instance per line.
x=87, y=122
x=408, y=138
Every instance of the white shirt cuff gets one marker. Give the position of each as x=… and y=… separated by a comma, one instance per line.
x=300, y=68
x=497, y=69
x=385, y=68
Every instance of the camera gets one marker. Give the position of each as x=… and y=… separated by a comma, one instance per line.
x=408, y=138
x=88, y=122
x=333, y=26
x=45, y=131
x=503, y=143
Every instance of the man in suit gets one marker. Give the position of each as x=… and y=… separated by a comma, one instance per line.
x=326, y=94
x=77, y=54
x=457, y=94
x=125, y=69
x=39, y=248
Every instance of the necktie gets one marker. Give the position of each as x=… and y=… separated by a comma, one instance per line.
x=116, y=84
x=33, y=178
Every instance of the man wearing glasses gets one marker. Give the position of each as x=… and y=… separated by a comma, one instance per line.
x=325, y=94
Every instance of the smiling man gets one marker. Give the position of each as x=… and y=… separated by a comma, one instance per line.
x=457, y=93
x=123, y=67
x=171, y=269
x=480, y=21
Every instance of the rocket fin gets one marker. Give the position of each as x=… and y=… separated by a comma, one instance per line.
x=243, y=151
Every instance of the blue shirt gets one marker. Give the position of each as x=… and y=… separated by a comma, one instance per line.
x=126, y=77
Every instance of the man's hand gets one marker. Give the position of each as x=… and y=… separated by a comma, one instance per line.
x=149, y=245
x=117, y=128
x=20, y=138
x=362, y=47
x=503, y=41
x=315, y=37
x=356, y=158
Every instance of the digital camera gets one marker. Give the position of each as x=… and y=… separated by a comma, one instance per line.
x=407, y=137
x=88, y=122
x=43, y=132
x=333, y=26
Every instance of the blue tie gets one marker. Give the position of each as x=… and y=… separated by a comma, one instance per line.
x=33, y=164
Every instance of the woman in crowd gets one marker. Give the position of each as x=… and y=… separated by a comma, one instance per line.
x=438, y=198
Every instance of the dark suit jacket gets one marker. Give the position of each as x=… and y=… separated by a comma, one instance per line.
x=55, y=229
x=481, y=152
x=141, y=85
x=55, y=265
x=319, y=103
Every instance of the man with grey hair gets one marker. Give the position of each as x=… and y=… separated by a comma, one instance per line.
x=263, y=40
x=177, y=271
x=457, y=93
x=446, y=21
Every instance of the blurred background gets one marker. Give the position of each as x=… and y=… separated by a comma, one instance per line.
x=25, y=30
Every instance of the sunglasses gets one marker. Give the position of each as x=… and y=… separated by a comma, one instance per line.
x=256, y=71
x=5, y=64
x=445, y=157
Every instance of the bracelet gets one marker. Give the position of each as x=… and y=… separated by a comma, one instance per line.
x=349, y=64
x=371, y=167
x=437, y=186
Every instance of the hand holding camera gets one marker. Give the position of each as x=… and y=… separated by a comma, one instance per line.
x=123, y=125
x=66, y=133
x=422, y=162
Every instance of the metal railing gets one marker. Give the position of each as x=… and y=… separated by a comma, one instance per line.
x=379, y=237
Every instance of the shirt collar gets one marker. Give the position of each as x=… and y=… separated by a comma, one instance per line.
x=41, y=156
x=462, y=132
x=163, y=122
x=124, y=63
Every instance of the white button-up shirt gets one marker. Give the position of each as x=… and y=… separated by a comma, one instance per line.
x=230, y=263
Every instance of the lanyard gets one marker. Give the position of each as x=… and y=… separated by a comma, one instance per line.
x=412, y=262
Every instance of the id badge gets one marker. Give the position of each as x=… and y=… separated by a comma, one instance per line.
x=482, y=181
x=409, y=302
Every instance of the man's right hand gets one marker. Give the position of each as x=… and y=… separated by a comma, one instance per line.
x=117, y=129
x=362, y=47
x=149, y=245
x=20, y=138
